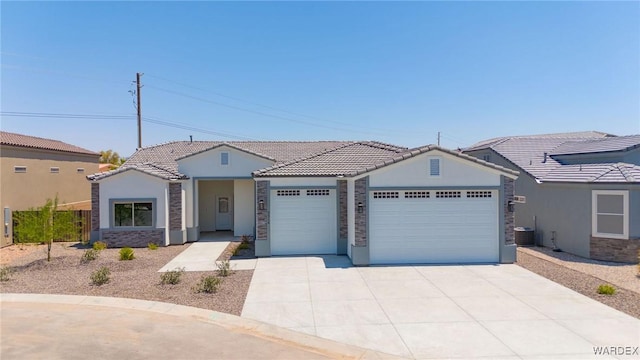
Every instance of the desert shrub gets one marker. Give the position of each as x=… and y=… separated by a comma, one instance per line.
x=246, y=238
x=99, y=245
x=207, y=284
x=126, y=253
x=90, y=255
x=606, y=289
x=100, y=276
x=152, y=246
x=5, y=273
x=224, y=267
x=171, y=277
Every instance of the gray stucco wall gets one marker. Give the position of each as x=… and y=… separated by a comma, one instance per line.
x=633, y=157
x=634, y=211
x=562, y=208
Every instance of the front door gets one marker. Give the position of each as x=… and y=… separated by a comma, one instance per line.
x=224, y=213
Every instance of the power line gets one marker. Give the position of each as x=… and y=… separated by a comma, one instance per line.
x=258, y=104
x=122, y=117
x=192, y=128
x=65, y=116
x=258, y=112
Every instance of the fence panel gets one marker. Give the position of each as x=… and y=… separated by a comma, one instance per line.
x=81, y=217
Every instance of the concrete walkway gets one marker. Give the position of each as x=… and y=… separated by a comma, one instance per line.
x=81, y=327
x=433, y=312
x=199, y=256
x=202, y=255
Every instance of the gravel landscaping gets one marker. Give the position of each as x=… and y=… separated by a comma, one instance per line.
x=563, y=269
x=138, y=278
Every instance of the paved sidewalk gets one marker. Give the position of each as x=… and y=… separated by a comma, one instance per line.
x=83, y=327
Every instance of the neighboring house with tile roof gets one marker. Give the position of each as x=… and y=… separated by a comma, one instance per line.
x=314, y=197
x=35, y=169
x=580, y=191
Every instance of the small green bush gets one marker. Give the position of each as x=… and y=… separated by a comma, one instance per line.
x=606, y=289
x=100, y=276
x=207, y=284
x=99, y=245
x=224, y=268
x=171, y=277
x=90, y=255
x=126, y=253
x=152, y=246
x=5, y=273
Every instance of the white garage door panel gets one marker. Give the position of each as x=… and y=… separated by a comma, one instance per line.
x=433, y=230
x=303, y=224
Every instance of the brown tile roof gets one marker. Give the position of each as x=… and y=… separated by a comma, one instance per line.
x=7, y=138
x=338, y=161
x=359, y=158
x=166, y=156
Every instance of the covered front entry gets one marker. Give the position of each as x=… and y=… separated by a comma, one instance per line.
x=433, y=226
x=303, y=221
x=226, y=205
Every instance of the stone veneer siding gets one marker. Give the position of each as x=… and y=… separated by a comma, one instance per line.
x=95, y=206
x=175, y=206
x=509, y=216
x=618, y=250
x=133, y=238
x=342, y=210
x=262, y=216
x=361, y=218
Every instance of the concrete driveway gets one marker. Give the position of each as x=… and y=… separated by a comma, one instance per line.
x=427, y=312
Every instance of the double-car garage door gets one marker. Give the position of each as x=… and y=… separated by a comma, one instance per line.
x=303, y=221
x=433, y=226
x=405, y=226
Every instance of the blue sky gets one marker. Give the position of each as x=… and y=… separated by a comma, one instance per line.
x=387, y=71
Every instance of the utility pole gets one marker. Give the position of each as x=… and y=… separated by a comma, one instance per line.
x=138, y=87
x=438, y=137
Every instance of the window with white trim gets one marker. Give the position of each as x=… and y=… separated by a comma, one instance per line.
x=288, y=193
x=385, y=194
x=224, y=158
x=434, y=166
x=318, y=192
x=478, y=194
x=416, y=194
x=447, y=194
x=610, y=213
x=133, y=214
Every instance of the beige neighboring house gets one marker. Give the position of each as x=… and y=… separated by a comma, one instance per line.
x=34, y=169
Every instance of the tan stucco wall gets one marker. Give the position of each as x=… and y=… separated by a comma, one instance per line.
x=20, y=191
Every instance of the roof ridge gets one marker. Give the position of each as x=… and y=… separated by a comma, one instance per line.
x=625, y=172
x=54, y=144
x=604, y=172
x=294, y=161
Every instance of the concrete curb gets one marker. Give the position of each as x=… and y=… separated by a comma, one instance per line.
x=231, y=322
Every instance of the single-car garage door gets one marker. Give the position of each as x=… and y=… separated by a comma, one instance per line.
x=303, y=221
x=433, y=226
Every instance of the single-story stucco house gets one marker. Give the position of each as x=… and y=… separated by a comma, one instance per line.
x=375, y=202
x=580, y=192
